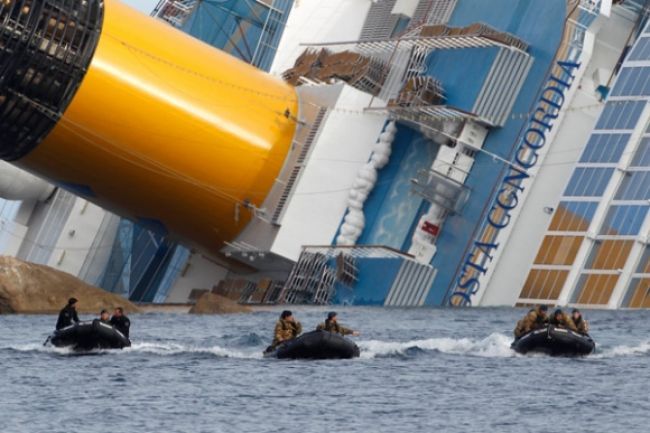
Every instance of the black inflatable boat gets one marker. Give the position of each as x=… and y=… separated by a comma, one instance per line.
x=555, y=342
x=316, y=345
x=85, y=336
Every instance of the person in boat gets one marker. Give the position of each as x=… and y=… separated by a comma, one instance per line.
x=562, y=320
x=331, y=325
x=286, y=328
x=579, y=321
x=68, y=315
x=104, y=317
x=536, y=318
x=121, y=322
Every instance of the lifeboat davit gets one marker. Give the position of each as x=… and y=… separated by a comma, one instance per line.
x=86, y=336
x=316, y=345
x=554, y=341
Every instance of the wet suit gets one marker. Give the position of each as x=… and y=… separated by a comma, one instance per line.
x=122, y=324
x=66, y=317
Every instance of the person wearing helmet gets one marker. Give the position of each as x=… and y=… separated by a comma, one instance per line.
x=286, y=328
x=331, y=325
x=536, y=318
x=562, y=320
x=579, y=321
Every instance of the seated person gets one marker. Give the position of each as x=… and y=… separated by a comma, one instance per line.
x=536, y=318
x=121, y=322
x=579, y=321
x=104, y=317
x=286, y=328
x=68, y=315
x=331, y=325
x=562, y=320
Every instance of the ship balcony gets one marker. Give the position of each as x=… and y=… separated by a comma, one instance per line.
x=439, y=189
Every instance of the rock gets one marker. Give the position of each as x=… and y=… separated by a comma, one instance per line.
x=37, y=289
x=209, y=303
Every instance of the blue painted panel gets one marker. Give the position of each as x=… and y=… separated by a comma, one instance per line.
x=376, y=276
x=521, y=18
x=241, y=28
x=391, y=208
x=462, y=73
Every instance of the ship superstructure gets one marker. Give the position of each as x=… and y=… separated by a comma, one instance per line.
x=406, y=153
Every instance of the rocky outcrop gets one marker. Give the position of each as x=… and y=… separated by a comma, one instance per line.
x=209, y=303
x=38, y=289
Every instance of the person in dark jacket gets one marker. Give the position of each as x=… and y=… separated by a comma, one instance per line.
x=104, y=317
x=68, y=315
x=579, y=321
x=121, y=322
x=331, y=325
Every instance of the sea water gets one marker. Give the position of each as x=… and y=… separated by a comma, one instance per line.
x=424, y=370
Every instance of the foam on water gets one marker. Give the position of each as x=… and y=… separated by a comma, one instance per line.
x=640, y=349
x=40, y=348
x=163, y=349
x=179, y=349
x=494, y=346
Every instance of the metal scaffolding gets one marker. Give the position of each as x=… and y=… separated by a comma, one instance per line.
x=175, y=12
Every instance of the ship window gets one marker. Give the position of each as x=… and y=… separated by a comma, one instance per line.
x=641, y=51
x=633, y=81
x=605, y=148
x=638, y=294
x=588, y=182
x=644, y=264
x=544, y=284
x=620, y=115
x=624, y=220
x=595, y=289
x=558, y=250
x=609, y=254
x=642, y=155
x=635, y=186
x=573, y=216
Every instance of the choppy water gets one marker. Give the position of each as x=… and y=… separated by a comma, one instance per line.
x=420, y=371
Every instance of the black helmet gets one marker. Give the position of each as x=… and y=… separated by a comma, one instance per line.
x=331, y=315
x=556, y=312
x=285, y=314
x=72, y=301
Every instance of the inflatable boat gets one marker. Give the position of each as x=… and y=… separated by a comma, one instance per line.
x=315, y=345
x=86, y=336
x=555, y=342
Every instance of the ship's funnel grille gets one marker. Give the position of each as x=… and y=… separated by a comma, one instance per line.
x=45, y=49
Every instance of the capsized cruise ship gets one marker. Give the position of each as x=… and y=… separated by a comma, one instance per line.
x=389, y=152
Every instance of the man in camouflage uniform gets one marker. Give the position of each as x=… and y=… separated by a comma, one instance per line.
x=562, y=320
x=534, y=319
x=331, y=325
x=287, y=328
x=579, y=321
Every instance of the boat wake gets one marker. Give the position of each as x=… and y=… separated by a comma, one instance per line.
x=640, y=349
x=494, y=346
x=167, y=349
x=162, y=349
